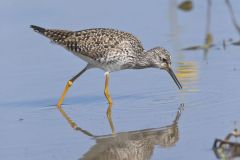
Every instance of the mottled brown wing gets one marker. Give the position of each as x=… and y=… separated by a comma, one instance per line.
x=94, y=43
x=97, y=43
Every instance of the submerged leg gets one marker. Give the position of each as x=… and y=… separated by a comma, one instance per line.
x=109, y=116
x=68, y=85
x=106, y=90
x=109, y=109
x=73, y=124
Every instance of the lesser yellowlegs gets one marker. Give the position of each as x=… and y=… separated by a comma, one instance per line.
x=110, y=50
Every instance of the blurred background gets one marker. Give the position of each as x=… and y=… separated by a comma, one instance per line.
x=152, y=119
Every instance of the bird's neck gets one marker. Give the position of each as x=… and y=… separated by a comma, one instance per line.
x=144, y=60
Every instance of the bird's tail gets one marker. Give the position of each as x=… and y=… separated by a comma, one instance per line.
x=38, y=29
x=54, y=34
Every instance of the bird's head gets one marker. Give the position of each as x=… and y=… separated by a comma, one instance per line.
x=160, y=58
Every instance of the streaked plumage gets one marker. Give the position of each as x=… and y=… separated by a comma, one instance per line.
x=101, y=47
x=110, y=50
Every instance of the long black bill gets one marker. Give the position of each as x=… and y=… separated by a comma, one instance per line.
x=170, y=71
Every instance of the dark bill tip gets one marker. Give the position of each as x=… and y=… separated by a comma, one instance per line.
x=174, y=77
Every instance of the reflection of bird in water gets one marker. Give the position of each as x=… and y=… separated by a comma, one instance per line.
x=229, y=148
x=110, y=50
x=133, y=145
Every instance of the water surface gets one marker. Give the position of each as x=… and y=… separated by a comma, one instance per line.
x=152, y=119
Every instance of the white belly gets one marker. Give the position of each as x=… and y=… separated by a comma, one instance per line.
x=101, y=65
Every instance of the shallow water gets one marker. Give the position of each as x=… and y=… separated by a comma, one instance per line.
x=151, y=118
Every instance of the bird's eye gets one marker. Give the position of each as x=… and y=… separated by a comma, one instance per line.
x=164, y=60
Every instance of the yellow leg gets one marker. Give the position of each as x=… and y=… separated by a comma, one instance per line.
x=69, y=120
x=73, y=124
x=68, y=85
x=109, y=116
x=106, y=90
x=109, y=110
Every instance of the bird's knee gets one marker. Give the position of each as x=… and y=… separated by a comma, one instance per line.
x=69, y=83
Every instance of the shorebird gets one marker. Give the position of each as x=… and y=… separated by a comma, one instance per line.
x=110, y=50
